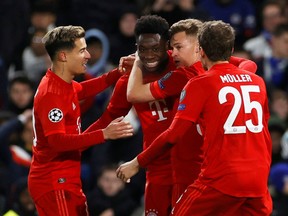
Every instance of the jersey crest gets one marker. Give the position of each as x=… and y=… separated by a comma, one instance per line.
x=152, y=212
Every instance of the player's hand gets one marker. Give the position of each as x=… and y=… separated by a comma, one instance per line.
x=118, y=129
x=126, y=170
x=126, y=63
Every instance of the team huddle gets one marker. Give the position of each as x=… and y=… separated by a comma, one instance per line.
x=204, y=116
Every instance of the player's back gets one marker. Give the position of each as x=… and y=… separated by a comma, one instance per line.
x=233, y=104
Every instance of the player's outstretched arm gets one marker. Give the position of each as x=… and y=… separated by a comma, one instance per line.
x=61, y=142
x=161, y=144
x=127, y=170
x=96, y=85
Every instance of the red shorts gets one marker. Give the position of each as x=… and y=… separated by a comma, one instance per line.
x=178, y=190
x=202, y=200
x=62, y=203
x=158, y=199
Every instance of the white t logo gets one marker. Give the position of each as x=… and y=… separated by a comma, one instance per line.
x=156, y=109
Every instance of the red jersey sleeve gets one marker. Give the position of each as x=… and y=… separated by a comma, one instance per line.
x=173, y=82
x=118, y=105
x=96, y=85
x=244, y=64
x=187, y=101
x=47, y=106
x=71, y=142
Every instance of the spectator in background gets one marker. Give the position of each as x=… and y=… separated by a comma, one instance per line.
x=279, y=105
x=20, y=92
x=274, y=68
x=21, y=201
x=109, y=196
x=276, y=128
x=173, y=11
x=103, y=15
x=278, y=186
x=123, y=41
x=43, y=15
x=14, y=21
x=240, y=14
x=15, y=156
x=284, y=145
x=98, y=46
x=35, y=58
x=272, y=14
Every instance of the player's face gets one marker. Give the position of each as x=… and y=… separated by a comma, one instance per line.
x=78, y=57
x=184, y=49
x=152, y=51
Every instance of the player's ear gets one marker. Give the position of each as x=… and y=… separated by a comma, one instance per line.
x=201, y=51
x=62, y=56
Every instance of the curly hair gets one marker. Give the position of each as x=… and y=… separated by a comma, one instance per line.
x=152, y=24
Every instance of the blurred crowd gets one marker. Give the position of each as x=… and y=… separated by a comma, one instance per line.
x=261, y=35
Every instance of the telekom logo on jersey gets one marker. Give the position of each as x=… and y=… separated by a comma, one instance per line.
x=155, y=107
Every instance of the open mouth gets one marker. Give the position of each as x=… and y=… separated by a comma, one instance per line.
x=177, y=62
x=151, y=64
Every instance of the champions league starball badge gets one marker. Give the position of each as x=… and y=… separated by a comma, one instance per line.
x=55, y=115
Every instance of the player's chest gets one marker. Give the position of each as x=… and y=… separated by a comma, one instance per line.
x=155, y=111
x=72, y=111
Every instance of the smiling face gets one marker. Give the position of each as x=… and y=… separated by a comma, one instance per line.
x=184, y=49
x=77, y=57
x=152, y=51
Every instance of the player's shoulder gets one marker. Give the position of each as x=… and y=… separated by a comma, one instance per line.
x=199, y=79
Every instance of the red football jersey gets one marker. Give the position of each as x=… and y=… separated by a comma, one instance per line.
x=187, y=155
x=56, y=111
x=233, y=105
x=155, y=117
x=54, y=100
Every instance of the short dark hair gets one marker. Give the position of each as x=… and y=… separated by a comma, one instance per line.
x=62, y=37
x=217, y=38
x=23, y=80
x=152, y=24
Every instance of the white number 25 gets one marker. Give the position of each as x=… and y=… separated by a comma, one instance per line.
x=229, y=127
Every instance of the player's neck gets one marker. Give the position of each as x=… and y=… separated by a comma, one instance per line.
x=211, y=64
x=60, y=71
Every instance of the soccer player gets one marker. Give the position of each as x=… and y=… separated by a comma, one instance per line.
x=186, y=161
x=155, y=116
x=54, y=178
x=231, y=105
